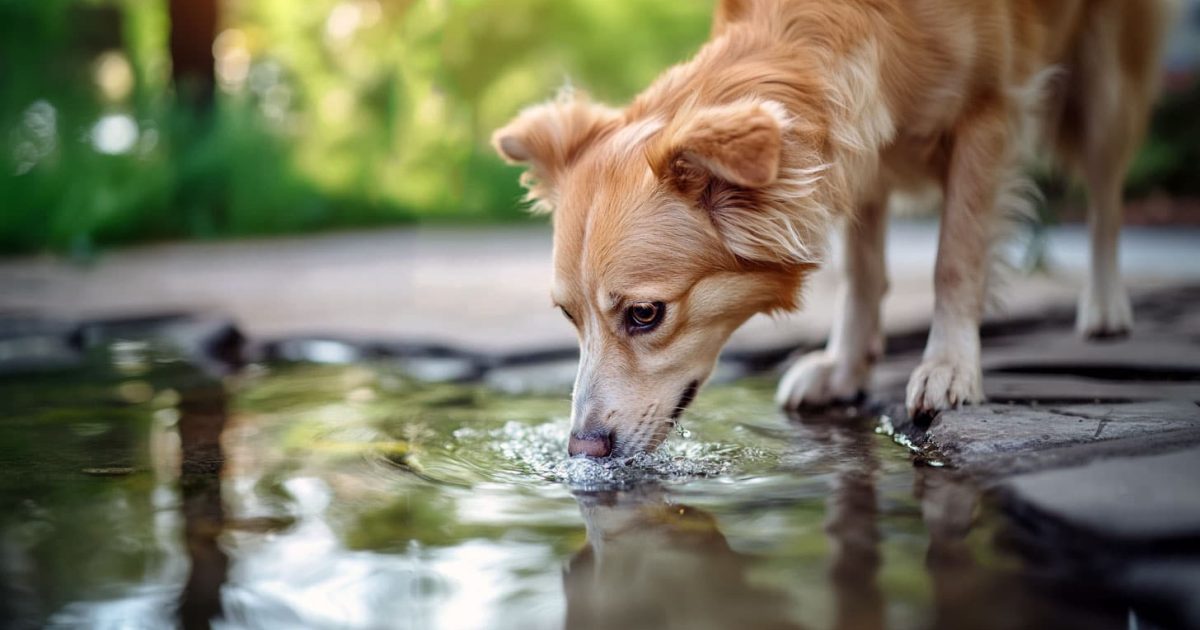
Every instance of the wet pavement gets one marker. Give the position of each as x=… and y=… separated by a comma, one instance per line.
x=143, y=490
x=1056, y=401
x=179, y=469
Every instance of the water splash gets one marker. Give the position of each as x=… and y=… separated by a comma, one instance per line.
x=538, y=449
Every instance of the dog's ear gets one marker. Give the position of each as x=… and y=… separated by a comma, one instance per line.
x=549, y=137
x=728, y=160
x=739, y=143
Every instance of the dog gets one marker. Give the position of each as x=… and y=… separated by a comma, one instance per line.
x=710, y=197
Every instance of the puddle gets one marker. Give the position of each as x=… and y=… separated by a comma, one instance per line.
x=139, y=492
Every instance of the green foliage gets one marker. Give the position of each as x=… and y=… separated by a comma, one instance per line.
x=329, y=113
x=1168, y=159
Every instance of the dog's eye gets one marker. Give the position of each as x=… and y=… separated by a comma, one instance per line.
x=567, y=314
x=644, y=316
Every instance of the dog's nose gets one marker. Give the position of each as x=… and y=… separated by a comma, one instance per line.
x=592, y=444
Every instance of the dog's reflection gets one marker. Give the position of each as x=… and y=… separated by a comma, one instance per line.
x=845, y=443
x=651, y=563
x=948, y=506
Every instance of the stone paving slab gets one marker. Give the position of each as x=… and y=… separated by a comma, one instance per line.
x=992, y=441
x=1154, y=497
x=1173, y=581
x=1144, y=357
x=1047, y=389
x=1131, y=522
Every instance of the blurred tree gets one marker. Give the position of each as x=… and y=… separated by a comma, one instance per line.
x=193, y=30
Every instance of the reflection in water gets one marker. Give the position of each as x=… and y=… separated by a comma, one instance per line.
x=851, y=517
x=202, y=417
x=967, y=593
x=355, y=497
x=650, y=563
x=947, y=509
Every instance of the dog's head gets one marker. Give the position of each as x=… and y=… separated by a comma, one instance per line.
x=668, y=235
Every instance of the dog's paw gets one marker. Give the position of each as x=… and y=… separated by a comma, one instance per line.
x=1104, y=314
x=819, y=379
x=942, y=383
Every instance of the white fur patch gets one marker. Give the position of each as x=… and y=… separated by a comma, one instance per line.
x=865, y=122
x=788, y=224
x=1030, y=101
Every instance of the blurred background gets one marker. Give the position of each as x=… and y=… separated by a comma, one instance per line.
x=141, y=120
x=127, y=121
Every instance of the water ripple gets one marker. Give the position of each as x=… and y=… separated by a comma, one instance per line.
x=539, y=449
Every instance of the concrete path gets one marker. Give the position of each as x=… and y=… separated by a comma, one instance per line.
x=487, y=290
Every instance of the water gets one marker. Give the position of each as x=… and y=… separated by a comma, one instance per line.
x=138, y=491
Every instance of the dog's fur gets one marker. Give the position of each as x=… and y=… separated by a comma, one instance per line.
x=714, y=190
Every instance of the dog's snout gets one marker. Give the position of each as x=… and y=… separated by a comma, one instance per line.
x=590, y=443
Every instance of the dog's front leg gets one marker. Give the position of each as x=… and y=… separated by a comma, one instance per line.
x=980, y=156
x=840, y=372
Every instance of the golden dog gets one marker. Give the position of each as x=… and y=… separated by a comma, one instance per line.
x=709, y=198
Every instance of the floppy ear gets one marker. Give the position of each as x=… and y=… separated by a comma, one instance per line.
x=731, y=161
x=740, y=143
x=549, y=137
